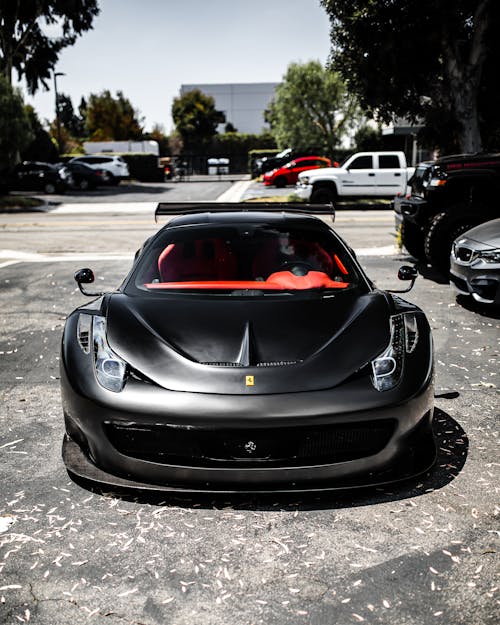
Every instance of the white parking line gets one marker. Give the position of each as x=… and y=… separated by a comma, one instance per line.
x=13, y=256
x=103, y=207
x=235, y=191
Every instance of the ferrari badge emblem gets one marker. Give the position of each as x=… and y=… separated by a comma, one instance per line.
x=249, y=381
x=250, y=447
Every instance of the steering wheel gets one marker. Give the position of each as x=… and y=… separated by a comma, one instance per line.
x=297, y=267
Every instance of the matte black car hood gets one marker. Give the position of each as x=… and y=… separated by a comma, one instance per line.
x=211, y=345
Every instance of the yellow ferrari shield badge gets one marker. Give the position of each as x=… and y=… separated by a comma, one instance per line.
x=249, y=381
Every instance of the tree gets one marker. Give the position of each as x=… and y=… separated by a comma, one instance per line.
x=111, y=119
x=430, y=60
x=158, y=134
x=368, y=139
x=15, y=130
x=196, y=119
x=312, y=108
x=73, y=123
x=25, y=47
x=41, y=147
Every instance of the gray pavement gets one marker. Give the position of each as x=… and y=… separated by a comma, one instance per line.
x=422, y=552
x=195, y=188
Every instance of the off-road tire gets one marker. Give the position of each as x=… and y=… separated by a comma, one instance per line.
x=412, y=238
x=323, y=195
x=443, y=230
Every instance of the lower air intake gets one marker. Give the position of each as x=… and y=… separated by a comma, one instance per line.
x=285, y=446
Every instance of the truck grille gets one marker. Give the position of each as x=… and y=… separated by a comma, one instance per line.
x=264, y=447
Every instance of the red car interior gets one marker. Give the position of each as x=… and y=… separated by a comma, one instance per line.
x=211, y=264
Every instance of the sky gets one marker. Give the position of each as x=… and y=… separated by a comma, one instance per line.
x=148, y=48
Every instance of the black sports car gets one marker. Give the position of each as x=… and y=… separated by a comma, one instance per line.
x=246, y=351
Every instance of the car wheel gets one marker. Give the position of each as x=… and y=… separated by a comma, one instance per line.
x=112, y=180
x=412, y=238
x=280, y=182
x=49, y=187
x=322, y=195
x=444, y=229
x=84, y=184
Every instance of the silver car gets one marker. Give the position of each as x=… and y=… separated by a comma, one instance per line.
x=475, y=263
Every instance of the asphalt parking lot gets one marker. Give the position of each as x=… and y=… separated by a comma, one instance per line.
x=421, y=552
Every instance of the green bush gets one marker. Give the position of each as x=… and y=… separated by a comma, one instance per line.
x=236, y=146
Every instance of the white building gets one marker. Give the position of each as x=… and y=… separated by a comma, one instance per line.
x=243, y=104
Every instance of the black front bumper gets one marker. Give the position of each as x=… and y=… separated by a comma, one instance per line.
x=192, y=442
x=479, y=280
x=412, y=209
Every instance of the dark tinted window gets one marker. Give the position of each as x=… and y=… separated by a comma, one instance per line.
x=362, y=162
x=264, y=257
x=389, y=161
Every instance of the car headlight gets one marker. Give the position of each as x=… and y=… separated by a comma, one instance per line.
x=388, y=367
x=110, y=369
x=304, y=180
x=491, y=256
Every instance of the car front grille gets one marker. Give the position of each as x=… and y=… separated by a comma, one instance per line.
x=464, y=254
x=256, y=447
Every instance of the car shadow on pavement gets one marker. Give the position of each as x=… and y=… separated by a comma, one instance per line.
x=485, y=310
x=121, y=189
x=452, y=448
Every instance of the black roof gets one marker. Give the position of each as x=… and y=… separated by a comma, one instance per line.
x=469, y=157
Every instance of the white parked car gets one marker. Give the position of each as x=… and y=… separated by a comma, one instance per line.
x=114, y=168
x=364, y=174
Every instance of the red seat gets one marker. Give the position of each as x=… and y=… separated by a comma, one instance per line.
x=199, y=260
x=275, y=252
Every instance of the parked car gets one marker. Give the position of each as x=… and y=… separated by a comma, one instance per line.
x=456, y=193
x=475, y=263
x=114, y=168
x=289, y=173
x=38, y=176
x=85, y=177
x=246, y=351
x=267, y=163
x=364, y=174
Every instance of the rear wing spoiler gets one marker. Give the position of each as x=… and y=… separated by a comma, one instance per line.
x=188, y=208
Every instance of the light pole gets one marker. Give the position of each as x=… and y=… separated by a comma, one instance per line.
x=58, y=121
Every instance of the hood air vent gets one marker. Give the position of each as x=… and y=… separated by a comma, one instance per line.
x=248, y=356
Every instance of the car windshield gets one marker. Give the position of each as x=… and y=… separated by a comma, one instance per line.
x=239, y=258
x=420, y=178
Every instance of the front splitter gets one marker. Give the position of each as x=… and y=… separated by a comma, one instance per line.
x=80, y=465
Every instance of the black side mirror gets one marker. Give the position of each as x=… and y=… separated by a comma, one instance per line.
x=85, y=276
x=406, y=272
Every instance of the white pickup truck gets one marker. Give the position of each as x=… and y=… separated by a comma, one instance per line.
x=364, y=174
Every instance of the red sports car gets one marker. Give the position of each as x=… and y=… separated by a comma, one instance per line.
x=289, y=173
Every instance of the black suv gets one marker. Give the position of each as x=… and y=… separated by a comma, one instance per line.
x=448, y=196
